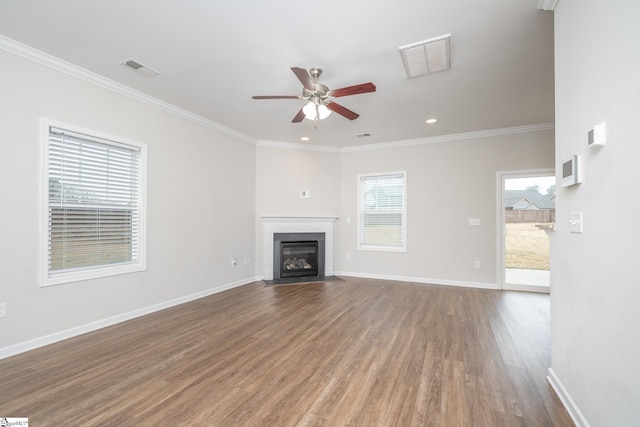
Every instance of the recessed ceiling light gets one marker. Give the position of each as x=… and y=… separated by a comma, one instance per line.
x=304, y=138
x=431, y=121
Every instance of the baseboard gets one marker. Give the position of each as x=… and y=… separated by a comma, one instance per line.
x=574, y=412
x=479, y=285
x=32, y=344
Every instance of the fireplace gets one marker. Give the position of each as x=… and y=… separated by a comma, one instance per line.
x=299, y=259
x=285, y=225
x=298, y=254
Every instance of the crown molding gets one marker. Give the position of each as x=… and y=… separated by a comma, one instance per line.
x=298, y=146
x=451, y=137
x=549, y=5
x=410, y=142
x=58, y=64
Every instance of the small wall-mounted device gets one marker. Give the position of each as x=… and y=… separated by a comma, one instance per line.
x=571, y=171
x=305, y=193
x=597, y=137
x=575, y=222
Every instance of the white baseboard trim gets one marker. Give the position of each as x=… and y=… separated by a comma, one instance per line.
x=574, y=412
x=479, y=285
x=99, y=324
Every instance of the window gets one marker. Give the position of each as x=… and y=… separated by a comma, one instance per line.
x=94, y=213
x=382, y=216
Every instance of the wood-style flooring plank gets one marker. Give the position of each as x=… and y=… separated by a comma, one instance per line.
x=357, y=352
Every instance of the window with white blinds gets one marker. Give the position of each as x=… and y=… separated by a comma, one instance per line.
x=94, y=206
x=382, y=219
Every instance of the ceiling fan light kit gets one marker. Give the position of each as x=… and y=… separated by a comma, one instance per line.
x=320, y=98
x=313, y=111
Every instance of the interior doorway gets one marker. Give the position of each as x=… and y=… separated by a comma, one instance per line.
x=527, y=219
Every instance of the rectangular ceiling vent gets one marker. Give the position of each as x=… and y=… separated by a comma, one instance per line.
x=426, y=57
x=139, y=68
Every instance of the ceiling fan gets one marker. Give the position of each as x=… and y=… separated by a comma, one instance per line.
x=320, y=97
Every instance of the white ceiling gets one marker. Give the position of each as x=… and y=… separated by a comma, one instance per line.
x=214, y=55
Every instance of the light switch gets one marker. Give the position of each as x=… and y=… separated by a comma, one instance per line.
x=575, y=222
x=305, y=193
x=474, y=221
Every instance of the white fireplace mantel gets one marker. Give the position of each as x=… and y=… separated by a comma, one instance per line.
x=296, y=224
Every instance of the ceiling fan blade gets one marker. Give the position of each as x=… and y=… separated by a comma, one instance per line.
x=298, y=118
x=337, y=108
x=304, y=77
x=276, y=97
x=353, y=90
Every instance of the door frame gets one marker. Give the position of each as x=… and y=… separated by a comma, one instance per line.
x=501, y=176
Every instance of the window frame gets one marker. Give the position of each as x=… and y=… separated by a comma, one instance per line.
x=360, y=229
x=49, y=278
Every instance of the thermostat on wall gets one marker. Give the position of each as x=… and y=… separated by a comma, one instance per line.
x=597, y=136
x=571, y=171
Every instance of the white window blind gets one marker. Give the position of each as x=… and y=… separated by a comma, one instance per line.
x=94, y=203
x=382, y=212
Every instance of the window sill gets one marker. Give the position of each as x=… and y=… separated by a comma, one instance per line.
x=91, y=273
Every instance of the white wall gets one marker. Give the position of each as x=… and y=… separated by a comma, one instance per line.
x=447, y=183
x=201, y=204
x=280, y=175
x=595, y=293
x=442, y=247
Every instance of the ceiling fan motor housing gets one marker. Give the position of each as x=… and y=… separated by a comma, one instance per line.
x=315, y=72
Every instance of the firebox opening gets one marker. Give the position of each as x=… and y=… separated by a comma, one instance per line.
x=298, y=255
x=299, y=258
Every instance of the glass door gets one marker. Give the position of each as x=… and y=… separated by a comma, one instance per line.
x=527, y=223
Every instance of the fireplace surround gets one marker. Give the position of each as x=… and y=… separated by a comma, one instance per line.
x=295, y=224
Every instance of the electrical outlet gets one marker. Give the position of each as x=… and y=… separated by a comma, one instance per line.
x=477, y=264
x=3, y=309
x=234, y=262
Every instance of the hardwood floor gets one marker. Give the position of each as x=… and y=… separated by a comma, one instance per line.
x=358, y=352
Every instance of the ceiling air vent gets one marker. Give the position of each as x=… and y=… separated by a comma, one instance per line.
x=139, y=68
x=426, y=57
